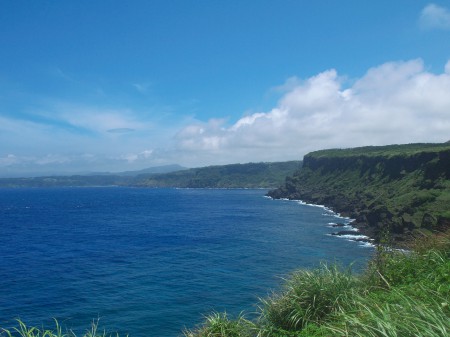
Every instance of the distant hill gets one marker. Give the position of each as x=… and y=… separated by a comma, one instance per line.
x=89, y=179
x=66, y=181
x=152, y=170
x=252, y=175
x=401, y=189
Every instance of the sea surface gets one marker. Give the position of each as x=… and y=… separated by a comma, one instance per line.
x=150, y=262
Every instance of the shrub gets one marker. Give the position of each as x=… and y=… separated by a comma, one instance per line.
x=308, y=298
x=219, y=325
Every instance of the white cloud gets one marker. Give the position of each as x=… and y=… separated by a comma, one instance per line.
x=7, y=160
x=135, y=157
x=397, y=102
x=435, y=17
x=447, y=68
x=68, y=138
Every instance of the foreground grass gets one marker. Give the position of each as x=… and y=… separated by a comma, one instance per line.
x=400, y=294
x=22, y=330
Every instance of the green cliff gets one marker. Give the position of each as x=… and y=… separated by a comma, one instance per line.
x=403, y=189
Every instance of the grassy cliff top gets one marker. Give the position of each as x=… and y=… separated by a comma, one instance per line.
x=383, y=151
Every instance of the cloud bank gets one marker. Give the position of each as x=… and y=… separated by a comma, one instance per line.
x=397, y=102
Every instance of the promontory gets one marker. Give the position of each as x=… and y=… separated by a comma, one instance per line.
x=394, y=191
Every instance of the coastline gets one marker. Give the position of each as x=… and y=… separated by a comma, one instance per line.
x=356, y=222
x=345, y=229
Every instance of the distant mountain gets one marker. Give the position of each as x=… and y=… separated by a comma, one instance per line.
x=152, y=170
x=252, y=175
x=87, y=179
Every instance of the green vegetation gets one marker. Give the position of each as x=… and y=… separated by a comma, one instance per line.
x=308, y=297
x=400, y=294
x=383, y=151
x=22, y=330
x=251, y=175
x=218, y=325
x=403, y=188
x=66, y=181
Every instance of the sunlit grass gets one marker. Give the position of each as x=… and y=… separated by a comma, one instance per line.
x=219, y=325
x=22, y=330
x=404, y=315
x=307, y=297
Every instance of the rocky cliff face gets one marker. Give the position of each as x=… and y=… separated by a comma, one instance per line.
x=400, y=189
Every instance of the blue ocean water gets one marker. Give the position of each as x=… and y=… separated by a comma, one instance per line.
x=149, y=262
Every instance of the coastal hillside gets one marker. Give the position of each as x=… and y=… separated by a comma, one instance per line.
x=251, y=175
x=397, y=189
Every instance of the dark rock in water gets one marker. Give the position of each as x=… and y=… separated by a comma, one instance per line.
x=338, y=225
x=366, y=240
x=347, y=233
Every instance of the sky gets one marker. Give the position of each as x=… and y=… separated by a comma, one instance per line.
x=108, y=86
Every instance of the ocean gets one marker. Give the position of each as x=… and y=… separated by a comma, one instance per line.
x=150, y=262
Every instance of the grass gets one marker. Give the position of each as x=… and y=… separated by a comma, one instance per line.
x=407, y=316
x=406, y=294
x=402, y=293
x=22, y=330
x=308, y=298
x=219, y=325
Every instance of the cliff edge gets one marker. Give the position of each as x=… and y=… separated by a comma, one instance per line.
x=400, y=189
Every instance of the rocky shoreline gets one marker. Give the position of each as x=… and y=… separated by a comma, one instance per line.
x=368, y=225
x=347, y=230
x=351, y=233
x=359, y=226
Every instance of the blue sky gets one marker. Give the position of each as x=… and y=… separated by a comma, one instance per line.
x=115, y=85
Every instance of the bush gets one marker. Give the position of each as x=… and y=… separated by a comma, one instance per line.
x=308, y=298
x=219, y=325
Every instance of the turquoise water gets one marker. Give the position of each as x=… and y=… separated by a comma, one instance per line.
x=148, y=262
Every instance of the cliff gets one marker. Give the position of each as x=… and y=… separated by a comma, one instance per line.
x=402, y=189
